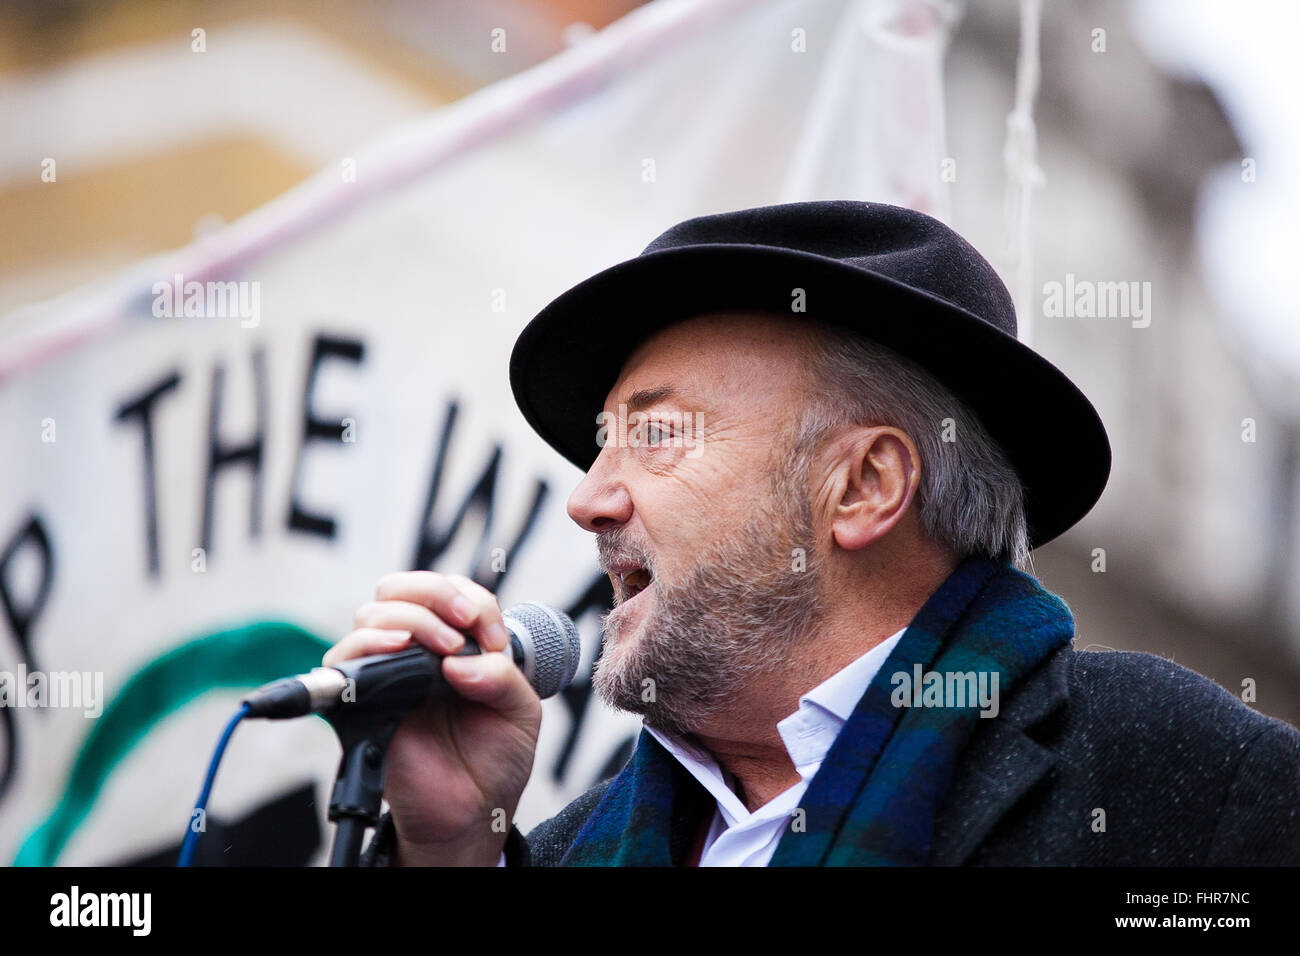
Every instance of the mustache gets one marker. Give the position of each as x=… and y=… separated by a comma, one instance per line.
x=617, y=548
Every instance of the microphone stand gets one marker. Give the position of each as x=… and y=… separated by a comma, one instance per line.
x=359, y=785
x=387, y=686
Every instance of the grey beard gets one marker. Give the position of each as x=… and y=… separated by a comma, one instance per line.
x=739, y=614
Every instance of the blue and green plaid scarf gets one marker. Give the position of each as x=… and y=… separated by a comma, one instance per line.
x=876, y=795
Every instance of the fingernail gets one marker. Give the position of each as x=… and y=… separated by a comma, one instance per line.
x=461, y=607
x=464, y=667
x=501, y=634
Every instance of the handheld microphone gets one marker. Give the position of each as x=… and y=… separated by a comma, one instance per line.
x=544, y=644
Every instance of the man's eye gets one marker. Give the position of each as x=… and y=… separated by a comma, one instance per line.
x=652, y=435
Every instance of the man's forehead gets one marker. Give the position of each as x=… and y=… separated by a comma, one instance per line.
x=711, y=359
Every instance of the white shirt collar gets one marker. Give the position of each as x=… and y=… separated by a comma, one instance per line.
x=807, y=734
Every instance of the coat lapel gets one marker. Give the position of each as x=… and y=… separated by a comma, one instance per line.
x=880, y=794
x=1000, y=764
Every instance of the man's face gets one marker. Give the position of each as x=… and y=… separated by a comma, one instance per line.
x=705, y=532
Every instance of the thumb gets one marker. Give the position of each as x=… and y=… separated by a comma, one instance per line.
x=492, y=679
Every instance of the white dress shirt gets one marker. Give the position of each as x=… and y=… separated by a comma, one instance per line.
x=740, y=838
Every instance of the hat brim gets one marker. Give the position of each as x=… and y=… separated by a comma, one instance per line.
x=567, y=359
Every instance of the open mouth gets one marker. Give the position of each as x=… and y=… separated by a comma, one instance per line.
x=634, y=581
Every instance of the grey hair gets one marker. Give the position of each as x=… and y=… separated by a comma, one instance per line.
x=970, y=499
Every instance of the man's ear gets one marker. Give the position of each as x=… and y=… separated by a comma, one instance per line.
x=877, y=474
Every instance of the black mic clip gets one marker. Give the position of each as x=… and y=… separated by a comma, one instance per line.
x=365, y=725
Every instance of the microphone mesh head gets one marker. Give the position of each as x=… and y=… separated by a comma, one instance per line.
x=552, y=645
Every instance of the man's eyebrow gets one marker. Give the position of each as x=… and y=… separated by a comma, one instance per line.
x=649, y=396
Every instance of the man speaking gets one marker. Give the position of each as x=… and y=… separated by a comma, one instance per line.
x=816, y=459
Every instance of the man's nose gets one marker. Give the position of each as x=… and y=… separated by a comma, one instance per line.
x=600, y=501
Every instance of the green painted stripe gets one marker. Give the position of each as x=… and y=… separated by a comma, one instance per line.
x=245, y=656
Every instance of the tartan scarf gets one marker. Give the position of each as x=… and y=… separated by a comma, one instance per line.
x=875, y=797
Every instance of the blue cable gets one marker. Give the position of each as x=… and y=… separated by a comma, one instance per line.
x=192, y=837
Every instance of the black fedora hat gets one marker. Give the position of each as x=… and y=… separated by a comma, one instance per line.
x=893, y=275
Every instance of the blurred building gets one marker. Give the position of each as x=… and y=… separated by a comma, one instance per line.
x=1197, y=524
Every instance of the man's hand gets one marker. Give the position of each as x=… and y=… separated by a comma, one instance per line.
x=456, y=767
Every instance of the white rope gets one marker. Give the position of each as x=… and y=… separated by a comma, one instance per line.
x=1020, y=155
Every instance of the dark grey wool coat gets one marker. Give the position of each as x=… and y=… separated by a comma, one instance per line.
x=1186, y=774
